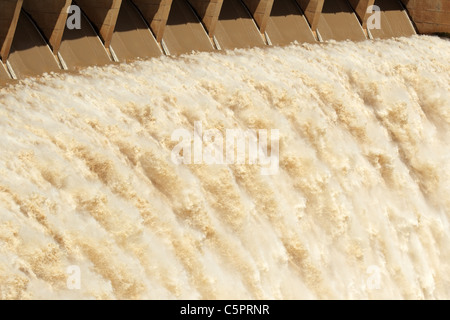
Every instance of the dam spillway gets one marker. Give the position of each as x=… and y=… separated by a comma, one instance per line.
x=357, y=208
x=36, y=36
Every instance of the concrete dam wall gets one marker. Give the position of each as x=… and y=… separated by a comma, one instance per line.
x=38, y=36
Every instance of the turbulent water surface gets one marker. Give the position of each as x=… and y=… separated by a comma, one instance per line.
x=360, y=206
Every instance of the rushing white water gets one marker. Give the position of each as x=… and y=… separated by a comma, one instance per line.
x=359, y=208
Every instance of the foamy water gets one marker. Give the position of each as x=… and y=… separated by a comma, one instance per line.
x=359, y=209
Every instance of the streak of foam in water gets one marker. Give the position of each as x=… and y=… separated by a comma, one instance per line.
x=86, y=178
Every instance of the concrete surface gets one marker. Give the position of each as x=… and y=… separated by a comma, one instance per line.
x=287, y=24
x=103, y=15
x=33, y=33
x=184, y=32
x=156, y=13
x=394, y=21
x=30, y=55
x=312, y=10
x=361, y=9
x=208, y=11
x=236, y=28
x=82, y=48
x=51, y=17
x=3, y=73
x=429, y=16
x=339, y=22
x=9, y=15
x=260, y=10
x=132, y=39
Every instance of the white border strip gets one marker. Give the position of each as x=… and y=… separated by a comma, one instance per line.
x=11, y=71
x=164, y=47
